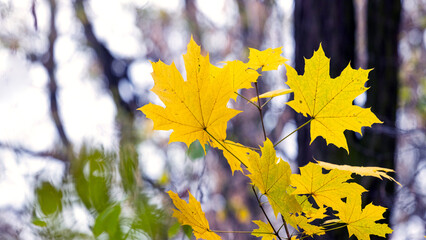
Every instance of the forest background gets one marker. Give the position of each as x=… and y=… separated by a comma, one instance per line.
x=73, y=147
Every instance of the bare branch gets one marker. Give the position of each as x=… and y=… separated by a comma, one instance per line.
x=50, y=66
x=43, y=154
x=33, y=12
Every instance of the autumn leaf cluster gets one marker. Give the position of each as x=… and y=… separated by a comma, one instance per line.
x=323, y=196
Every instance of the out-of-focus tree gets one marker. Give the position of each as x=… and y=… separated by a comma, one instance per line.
x=410, y=204
x=379, y=147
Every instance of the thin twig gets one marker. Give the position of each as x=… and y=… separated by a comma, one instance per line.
x=225, y=148
x=43, y=154
x=34, y=13
x=248, y=100
x=221, y=231
x=293, y=132
x=279, y=229
x=50, y=67
x=264, y=213
x=260, y=110
x=242, y=146
x=266, y=102
x=285, y=227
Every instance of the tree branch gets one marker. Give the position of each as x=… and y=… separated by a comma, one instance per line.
x=44, y=154
x=50, y=66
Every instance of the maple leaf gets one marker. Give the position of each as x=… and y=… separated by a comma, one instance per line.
x=329, y=101
x=362, y=222
x=327, y=189
x=308, y=214
x=272, y=176
x=196, y=108
x=268, y=59
x=377, y=172
x=265, y=231
x=191, y=214
x=315, y=213
x=272, y=94
x=239, y=154
x=241, y=76
x=303, y=223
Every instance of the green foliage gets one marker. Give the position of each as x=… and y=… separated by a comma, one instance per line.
x=49, y=198
x=108, y=221
x=92, y=175
x=105, y=187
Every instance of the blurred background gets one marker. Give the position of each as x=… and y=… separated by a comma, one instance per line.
x=77, y=161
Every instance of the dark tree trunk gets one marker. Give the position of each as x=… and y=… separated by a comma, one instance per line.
x=331, y=24
x=383, y=18
x=334, y=26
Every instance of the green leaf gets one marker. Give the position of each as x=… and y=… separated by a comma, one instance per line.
x=39, y=222
x=187, y=230
x=150, y=219
x=108, y=221
x=128, y=168
x=196, y=151
x=49, y=198
x=173, y=230
x=92, y=175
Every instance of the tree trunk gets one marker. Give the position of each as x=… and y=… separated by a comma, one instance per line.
x=333, y=27
x=331, y=24
x=382, y=47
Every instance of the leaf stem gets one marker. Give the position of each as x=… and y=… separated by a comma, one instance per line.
x=282, y=225
x=266, y=102
x=264, y=213
x=242, y=146
x=285, y=227
x=331, y=229
x=260, y=111
x=293, y=132
x=244, y=232
x=330, y=224
x=248, y=100
x=225, y=148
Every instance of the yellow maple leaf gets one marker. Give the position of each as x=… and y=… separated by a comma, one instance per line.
x=272, y=176
x=308, y=214
x=268, y=59
x=241, y=76
x=264, y=231
x=329, y=101
x=239, y=154
x=315, y=213
x=377, y=172
x=326, y=189
x=362, y=222
x=196, y=108
x=191, y=214
x=300, y=221
x=272, y=94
